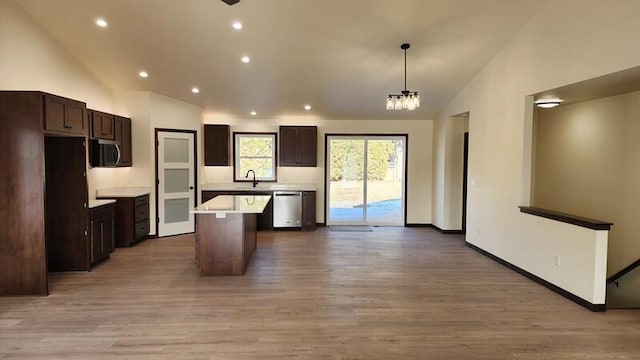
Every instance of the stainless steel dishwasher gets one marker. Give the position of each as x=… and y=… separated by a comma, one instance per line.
x=287, y=209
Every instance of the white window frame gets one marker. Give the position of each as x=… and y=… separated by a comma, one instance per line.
x=240, y=177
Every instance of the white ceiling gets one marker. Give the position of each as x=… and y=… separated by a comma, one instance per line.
x=341, y=56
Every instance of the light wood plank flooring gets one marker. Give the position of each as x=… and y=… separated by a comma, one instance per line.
x=392, y=293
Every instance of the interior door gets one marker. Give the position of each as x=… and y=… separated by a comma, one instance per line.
x=176, y=182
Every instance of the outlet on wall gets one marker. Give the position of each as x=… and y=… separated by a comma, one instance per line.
x=556, y=260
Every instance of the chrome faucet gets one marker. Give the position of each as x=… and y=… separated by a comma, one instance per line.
x=255, y=182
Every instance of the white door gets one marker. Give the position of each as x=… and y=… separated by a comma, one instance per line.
x=176, y=180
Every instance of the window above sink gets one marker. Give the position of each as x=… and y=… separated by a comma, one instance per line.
x=257, y=152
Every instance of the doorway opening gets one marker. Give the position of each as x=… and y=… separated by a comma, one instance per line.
x=366, y=179
x=175, y=181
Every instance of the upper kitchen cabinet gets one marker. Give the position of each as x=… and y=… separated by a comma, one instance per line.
x=216, y=145
x=62, y=115
x=298, y=146
x=122, y=135
x=102, y=125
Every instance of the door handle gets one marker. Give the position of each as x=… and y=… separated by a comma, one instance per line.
x=190, y=187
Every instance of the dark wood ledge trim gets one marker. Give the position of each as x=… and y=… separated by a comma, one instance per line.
x=567, y=218
x=434, y=227
x=576, y=299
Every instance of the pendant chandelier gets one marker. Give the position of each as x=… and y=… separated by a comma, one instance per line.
x=406, y=100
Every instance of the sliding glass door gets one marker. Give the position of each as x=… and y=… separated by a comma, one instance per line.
x=365, y=179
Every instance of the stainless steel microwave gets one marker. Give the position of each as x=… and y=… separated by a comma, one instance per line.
x=105, y=153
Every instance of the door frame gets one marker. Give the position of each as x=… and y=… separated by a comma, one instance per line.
x=326, y=168
x=195, y=172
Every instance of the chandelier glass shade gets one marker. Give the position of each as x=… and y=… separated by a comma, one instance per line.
x=406, y=100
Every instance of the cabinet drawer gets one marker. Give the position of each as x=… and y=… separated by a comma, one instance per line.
x=141, y=200
x=142, y=229
x=141, y=213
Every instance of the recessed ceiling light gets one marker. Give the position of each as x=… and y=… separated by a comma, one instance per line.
x=143, y=74
x=195, y=90
x=245, y=59
x=253, y=113
x=307, y=107
x=101, y=22
x=547, y=103
x=237, y=25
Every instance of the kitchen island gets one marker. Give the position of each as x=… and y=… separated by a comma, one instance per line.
x=226, y=233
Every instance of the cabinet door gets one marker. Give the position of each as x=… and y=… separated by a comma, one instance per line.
x=54, y=114
x=216, y=145
x=102, y=126
x=308, y=210
x=95, y=241
x=108, y=239
x=75, y=114
x=307, y=138
x=122, y=134
x=288, y=146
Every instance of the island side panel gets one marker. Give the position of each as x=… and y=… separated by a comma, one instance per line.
x=250, y=237
x=221, y=243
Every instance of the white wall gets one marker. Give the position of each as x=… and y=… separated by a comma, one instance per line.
x=152, y=111
x=30, y=59
x=420, y=134
x=449, y=156
x=565, y=42
x=588, y=164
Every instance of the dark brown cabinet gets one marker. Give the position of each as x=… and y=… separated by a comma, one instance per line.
x=102, y=125
x=64, y=115
x=216, y=145
x=132, y=219
x=308, y=210
x=43, y=213
x=101, y=232
x=122, y=135
x=298, y=146
x=264, y=220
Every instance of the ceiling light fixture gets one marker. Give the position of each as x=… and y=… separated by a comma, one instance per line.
x=231, y=2
x=195, y=90
x=253, y=113
x=547, y=103
x=143, y=74
x=237, y=25
x=406, y=100
x=245, y=59
x=101, y=22
x=307, y=107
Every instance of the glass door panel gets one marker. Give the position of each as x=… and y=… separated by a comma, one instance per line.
x=346, y=181
x=385, y=181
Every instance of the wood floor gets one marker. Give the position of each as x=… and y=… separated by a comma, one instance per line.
x=392, y=293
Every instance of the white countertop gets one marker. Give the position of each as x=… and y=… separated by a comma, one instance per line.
x=97, y=203
x=243, y=204
x=262, y=186
x=125, y=191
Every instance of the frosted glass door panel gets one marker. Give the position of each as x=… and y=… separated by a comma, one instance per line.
x=176, y=180
x=176, y=210
x=176, y=150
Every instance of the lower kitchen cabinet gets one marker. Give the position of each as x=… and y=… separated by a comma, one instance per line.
x=132, y=222
x=101, y=232
x=308, y=210
x=264, y=220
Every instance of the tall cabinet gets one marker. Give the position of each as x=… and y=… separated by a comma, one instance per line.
x=34, y=126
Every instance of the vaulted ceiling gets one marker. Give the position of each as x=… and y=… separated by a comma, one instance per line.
x=342, y=57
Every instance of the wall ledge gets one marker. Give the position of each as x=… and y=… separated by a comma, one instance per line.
x=567, y=218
